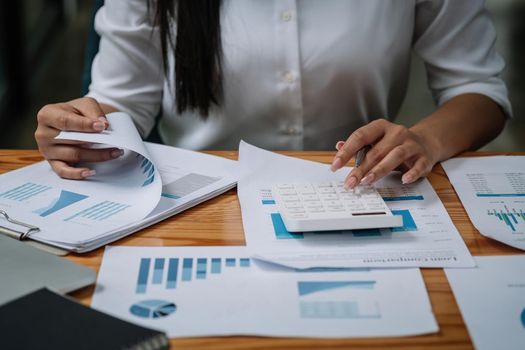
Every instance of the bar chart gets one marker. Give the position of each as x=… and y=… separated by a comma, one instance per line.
x=148, y=169
x=24, y=191
x=512, y=218
x=186, y=185
x=349, y=307
x=399, y=193
x=99, y=212
x=171, y=272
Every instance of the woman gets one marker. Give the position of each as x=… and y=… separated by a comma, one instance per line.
x=288, y=74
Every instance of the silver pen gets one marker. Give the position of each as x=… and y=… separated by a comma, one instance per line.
x=360, y=156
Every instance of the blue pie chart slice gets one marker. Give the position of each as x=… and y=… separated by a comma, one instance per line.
x=153, y=308
x=523, y=318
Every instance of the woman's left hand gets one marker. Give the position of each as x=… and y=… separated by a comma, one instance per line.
x=394, y=147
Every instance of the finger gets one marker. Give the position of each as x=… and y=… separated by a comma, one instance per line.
x=90, y=108
x=372, y=157
x=422, y=167
x=363, y=136
x=66, y=171
x=63, y=119
x=46, y=136
x=391, y=161
x=72, y=154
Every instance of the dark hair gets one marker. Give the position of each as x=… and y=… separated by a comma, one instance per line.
x=197, y=51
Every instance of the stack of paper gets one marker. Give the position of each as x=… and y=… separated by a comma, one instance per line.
x=147, y=184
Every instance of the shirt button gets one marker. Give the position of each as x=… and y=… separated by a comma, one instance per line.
x=288, y=77
x=293, y=131
x=286, y=16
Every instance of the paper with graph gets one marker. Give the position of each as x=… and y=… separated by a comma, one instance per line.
x=492, y=190
x=148, y=183
x=428, y=237
x=491, y=298
x=207, y=291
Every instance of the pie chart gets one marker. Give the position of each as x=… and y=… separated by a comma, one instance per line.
x=153, y=308
x=523, y=317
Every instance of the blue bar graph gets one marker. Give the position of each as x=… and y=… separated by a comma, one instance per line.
x=158, y=271
x=268, y=201
x=335, y=310
x=142, y=280
x=100, y=211
x=25, y=191
x=310, y=287
x=511, y=218
x=216, y=265
x=201, y=268
x=187, y=267
x=192, y=270
x=173, y=266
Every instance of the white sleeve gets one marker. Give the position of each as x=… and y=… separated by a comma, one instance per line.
x=456, y=40
x=127, y=72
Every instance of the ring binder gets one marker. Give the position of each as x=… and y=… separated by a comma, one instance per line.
x=20, y=235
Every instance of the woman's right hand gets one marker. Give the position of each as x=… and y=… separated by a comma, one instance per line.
x=84, y=115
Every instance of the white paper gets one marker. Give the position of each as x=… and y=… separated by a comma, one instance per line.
x=227, y=293
x=428, y=238
x=492, y=190
x=149, y=183
x=491, y=298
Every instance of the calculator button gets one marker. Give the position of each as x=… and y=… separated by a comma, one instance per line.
x=285, y=186
x=328, y=197
x=324, y=190
x=305, y=189
x=310, y=198
x=324, y=184
x=290, y=205
x=291, y=199
x=287, y=192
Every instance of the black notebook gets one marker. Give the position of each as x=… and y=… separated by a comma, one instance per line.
x=46, y=320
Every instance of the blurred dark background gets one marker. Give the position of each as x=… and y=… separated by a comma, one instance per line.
x=43, y=42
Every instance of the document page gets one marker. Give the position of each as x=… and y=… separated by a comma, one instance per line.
x=428, y=237
x=491, y=298
x=210, y=291
x=492, y=190
x=69, y=212
x=149, y=183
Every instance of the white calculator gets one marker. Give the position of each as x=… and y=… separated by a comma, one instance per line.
x=306, y=207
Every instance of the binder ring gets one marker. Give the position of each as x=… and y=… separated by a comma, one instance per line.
x=20, y=235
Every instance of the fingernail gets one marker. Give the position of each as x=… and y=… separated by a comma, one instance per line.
x=406, y=179
x=350, y=183
x=339, y=144
x=368, y=179
x=103, y=119
x=88, y=173
x=116, y=153
x=336, y=164
x=99, y=126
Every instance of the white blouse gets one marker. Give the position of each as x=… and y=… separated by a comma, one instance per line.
x=300, y=74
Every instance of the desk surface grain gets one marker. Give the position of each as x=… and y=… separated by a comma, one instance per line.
x=218, y=222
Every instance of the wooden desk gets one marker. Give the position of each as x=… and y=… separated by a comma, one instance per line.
x=218, y=222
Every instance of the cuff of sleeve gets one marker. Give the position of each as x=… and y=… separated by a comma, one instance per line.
x=492, y=88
